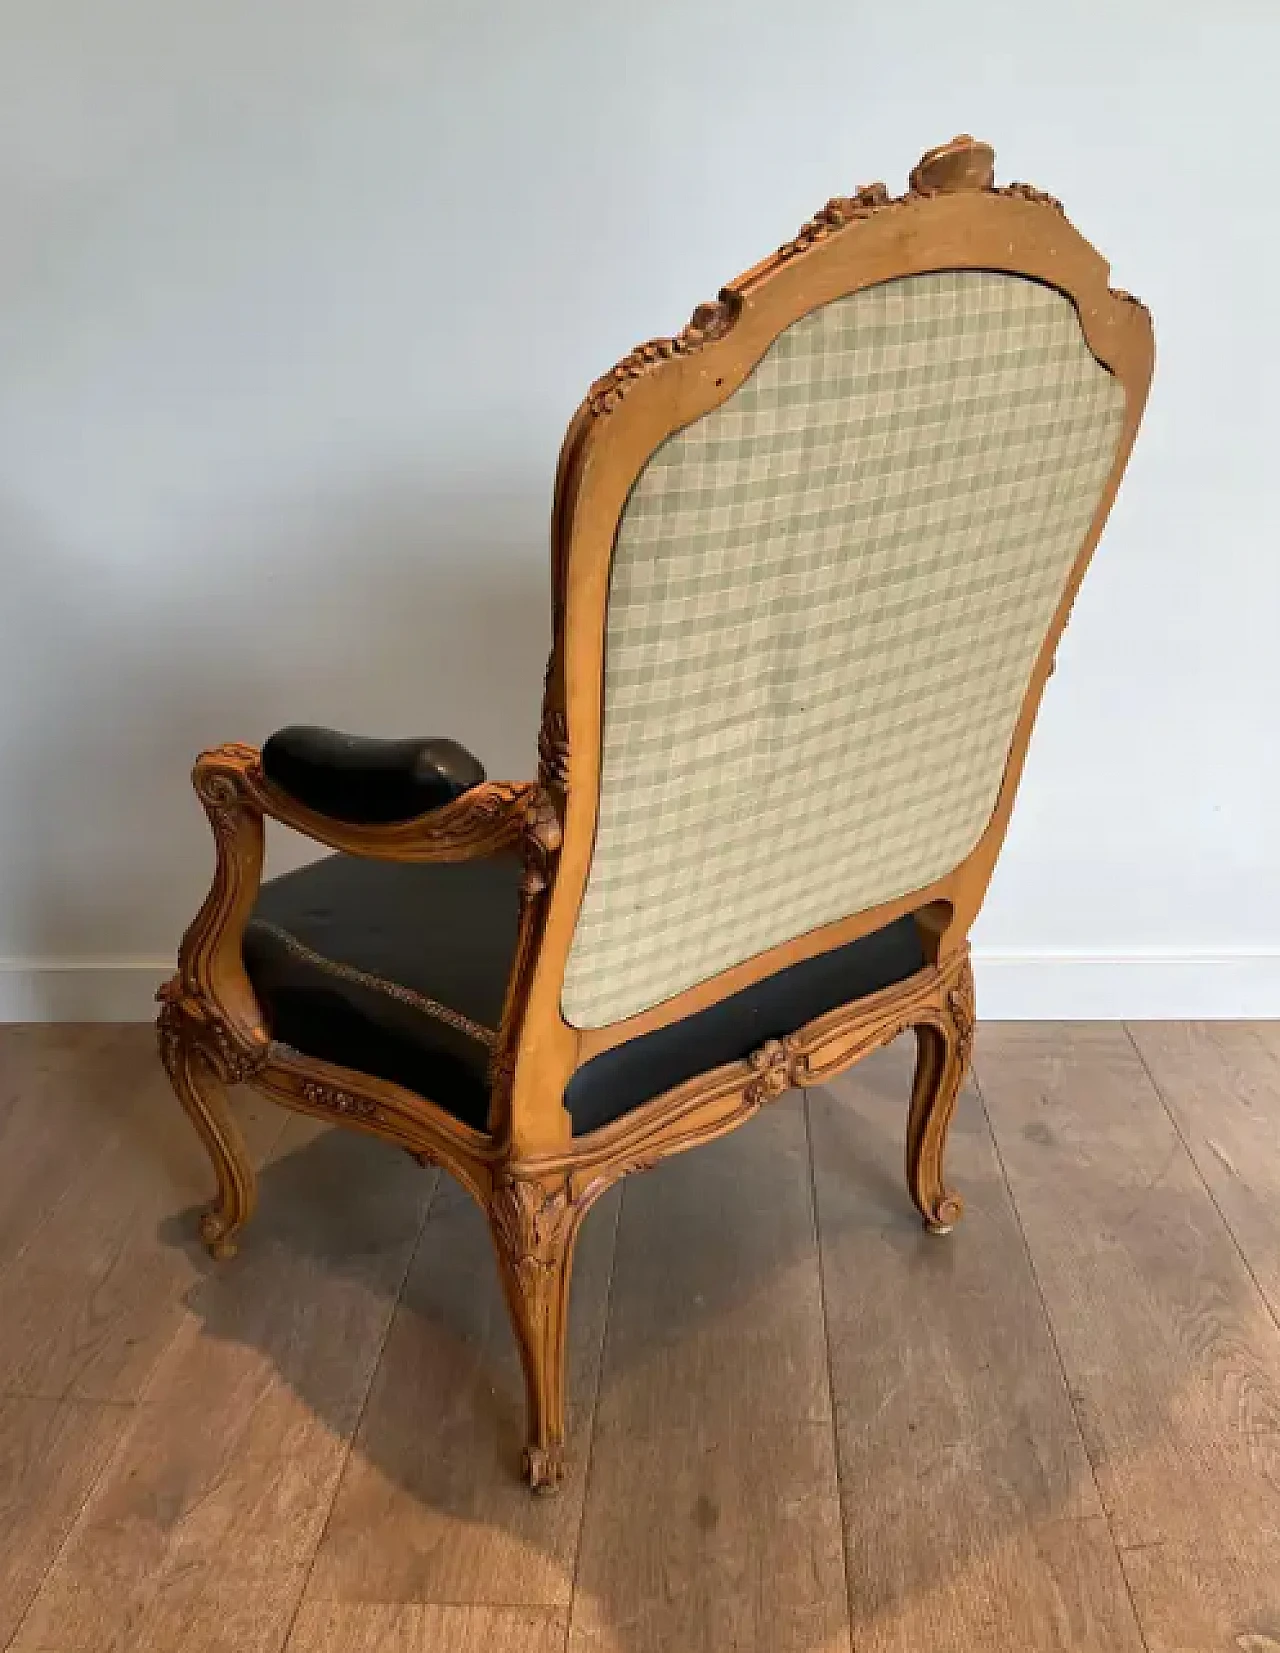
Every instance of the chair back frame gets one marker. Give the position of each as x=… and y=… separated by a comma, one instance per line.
x=950, y=218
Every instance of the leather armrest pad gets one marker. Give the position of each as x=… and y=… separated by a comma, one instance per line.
x=367, y=782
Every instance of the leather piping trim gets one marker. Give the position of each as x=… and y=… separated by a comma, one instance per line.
x=486, y=1036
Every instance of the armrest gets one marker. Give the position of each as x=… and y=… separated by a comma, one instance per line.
x=365, y=782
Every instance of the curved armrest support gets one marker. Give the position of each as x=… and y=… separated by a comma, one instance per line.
x=487, y=818
x=460, y=816
x=212, y=995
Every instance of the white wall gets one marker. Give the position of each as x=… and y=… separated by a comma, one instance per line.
x=295, y=301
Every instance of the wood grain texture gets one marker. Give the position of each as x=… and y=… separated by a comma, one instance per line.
x=189, y=1521
x=712, y=1516
x=430, y=1508
x=972, y=1519
x=92, y=1303
x=51, y=1454
x=1171, y=1354
x=213, y=1507
x=382, y=1627
x=55, y=1119
x=1221, y=1083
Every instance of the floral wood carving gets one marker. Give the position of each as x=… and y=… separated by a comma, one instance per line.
x=709, y=321
x=965, y=165
x=778, y=1065
x=1029, y=192
x=963, y=1008
x=532, y=1220
x=338, y=1101
x=187, y=1020
x=553, y=750
x=839, y=211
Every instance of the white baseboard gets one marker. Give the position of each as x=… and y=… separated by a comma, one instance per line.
x=1012, y=986
x=1163, y=985
x=86, y=990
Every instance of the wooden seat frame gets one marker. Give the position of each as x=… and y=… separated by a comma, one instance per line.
x=533, y=1178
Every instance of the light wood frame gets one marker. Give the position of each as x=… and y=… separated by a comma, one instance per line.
x=534, y=1179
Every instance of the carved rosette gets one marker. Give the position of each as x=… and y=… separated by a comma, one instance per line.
x=709, y=321
x=778, y=1066
x=541, y=843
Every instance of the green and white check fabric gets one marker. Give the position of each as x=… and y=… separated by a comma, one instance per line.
x=826, y=600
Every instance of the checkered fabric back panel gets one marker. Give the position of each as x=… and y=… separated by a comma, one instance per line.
x=826, y=601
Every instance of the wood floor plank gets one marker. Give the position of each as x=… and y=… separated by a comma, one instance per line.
x=51, y=1453
x=1206, y=1599
x=1172, y=1357
x=1221, y=1082
x=95, y=1298
x=431, y=1507
x=973, y=1521
x=412, y=1627
x=712, y=1514
x=213, y=1507
x=58, y=1111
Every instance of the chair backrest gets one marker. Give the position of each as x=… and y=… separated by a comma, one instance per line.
x=812, y=558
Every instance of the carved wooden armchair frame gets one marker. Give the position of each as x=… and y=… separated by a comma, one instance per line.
x=533, y=1177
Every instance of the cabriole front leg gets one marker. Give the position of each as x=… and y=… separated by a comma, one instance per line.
x=534, y=1225
x=943, y=1049
x=198, y=1086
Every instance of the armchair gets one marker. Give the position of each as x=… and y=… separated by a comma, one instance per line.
x=811, y=559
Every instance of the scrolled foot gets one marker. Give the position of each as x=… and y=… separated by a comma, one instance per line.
x=198, y=1084
x=944, y=1043
x=945, y=1214
x=219, y=1236
x=544, y=1468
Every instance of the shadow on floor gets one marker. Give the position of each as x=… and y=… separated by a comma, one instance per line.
x=430, y=1507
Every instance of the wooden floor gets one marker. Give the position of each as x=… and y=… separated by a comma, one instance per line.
x=801, y=1424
